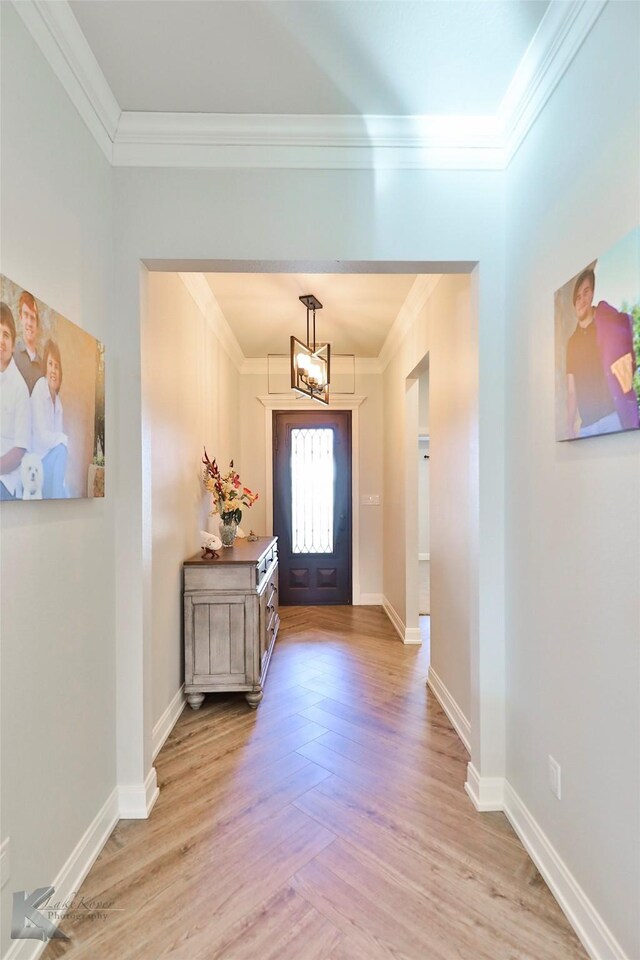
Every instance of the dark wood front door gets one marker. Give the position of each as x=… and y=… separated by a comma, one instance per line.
x=312, y=505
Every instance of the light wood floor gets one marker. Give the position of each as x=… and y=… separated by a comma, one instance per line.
x=330, y=825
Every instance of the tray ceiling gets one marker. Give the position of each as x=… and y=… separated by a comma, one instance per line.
x=312, y=57
x=263, y=310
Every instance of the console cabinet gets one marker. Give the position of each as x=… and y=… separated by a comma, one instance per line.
x=230, y=620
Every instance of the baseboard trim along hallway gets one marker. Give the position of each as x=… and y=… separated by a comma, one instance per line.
x=595, y=935
x=406, y=634
x=458, y=720
x=368, y=600
x=486, y=793
x=167, y=722
x=497, y=794
x=71, y=876
x=136, y=800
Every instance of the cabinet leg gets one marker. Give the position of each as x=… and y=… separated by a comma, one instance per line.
x=195, y=700
x=254, y=698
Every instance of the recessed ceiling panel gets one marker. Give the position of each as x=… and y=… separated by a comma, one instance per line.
x=263, y=310
x=309, y=56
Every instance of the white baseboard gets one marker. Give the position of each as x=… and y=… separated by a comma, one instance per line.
x=458, y=720
x=72, y=874
x=412, y=635
x=496, y=793
x=368, y=600
x=406, y=634
x=596, y=937
x=167, y=722
x=390, y=611
x=136, y=800
x=487, y=793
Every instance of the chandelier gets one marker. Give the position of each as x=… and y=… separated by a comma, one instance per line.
x=310, y=363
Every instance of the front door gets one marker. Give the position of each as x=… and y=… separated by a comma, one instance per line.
x=312, y=505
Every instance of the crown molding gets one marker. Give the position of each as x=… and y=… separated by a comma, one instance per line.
x=64, y=46
x=423, y=287
x=310, y=142
x=209, y=307
x=307, y=130
x=559, y=36
x=301, y=141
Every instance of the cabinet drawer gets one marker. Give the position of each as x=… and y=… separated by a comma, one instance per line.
x=272, y=590
x=265, y=570
x=217, y=578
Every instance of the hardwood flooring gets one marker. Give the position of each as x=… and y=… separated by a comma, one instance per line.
x=331, y=824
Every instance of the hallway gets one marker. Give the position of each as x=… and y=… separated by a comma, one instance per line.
x=331, y=824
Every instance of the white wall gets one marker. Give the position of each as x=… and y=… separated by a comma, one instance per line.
x=443, y=331
x=423, y=403
x=57, y=558
x=190, y=400
x=573, y=510
x=255, y=465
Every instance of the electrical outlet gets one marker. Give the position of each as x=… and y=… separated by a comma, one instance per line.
x=555, y=784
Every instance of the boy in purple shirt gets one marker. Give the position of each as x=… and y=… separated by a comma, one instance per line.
x=600, y=366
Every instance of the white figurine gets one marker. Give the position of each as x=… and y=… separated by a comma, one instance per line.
x=209, y=543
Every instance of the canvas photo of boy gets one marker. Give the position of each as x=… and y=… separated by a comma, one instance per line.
x=597, y=321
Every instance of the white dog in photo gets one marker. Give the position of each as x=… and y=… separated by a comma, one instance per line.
x=32, y=476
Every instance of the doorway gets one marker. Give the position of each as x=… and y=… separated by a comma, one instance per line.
x=312, y=506
x=424, y=557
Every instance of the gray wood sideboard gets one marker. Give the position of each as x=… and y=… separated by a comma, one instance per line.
x=230, y=620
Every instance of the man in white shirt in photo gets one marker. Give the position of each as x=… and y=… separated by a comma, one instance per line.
x=15, y=413
x=25, y=353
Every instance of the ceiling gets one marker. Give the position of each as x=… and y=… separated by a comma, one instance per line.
x=313, y=57
x=263, y=310
x=310, y=84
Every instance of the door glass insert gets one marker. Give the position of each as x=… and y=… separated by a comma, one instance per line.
x=312, y=477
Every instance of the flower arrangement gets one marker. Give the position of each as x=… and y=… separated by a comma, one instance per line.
x=229, y=496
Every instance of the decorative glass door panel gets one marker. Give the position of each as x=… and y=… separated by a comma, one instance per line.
x=312, y=478
x=312, y=506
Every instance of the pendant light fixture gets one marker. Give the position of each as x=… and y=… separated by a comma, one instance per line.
x=310, y=363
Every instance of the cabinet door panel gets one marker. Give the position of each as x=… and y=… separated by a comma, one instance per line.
x=237, y=635
x=201, y=639
x=219, y=651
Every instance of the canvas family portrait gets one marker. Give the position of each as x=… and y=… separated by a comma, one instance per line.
x=51, y=402
x=597, y=325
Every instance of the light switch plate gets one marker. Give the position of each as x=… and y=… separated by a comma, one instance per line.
x=370, y=499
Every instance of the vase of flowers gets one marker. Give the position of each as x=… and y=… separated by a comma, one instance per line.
x=229, y=498
x=228, y=533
